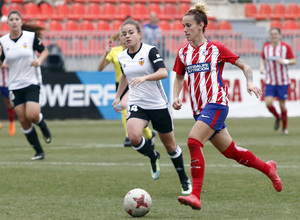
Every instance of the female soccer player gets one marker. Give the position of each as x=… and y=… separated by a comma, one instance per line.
x=4, y=92
x=203, y=60
x=143, y=69
x=275, y=58
x=18, y=48
x=111, y=56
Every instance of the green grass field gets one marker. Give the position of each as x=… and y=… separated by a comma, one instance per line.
x=87, y=173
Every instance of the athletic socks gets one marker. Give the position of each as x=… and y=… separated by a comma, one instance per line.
x=33, y=140
x=284, y=119
x=11, y=115
x=273, y=111
x=197, y=165
x=177, y=160
x=246, y=158
x=144, y=148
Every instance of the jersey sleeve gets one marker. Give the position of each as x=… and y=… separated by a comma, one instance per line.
x=226, y=55
x=156, y=60
x=263, y=53
x=109, y=56
x=38, y=45
x=179, y=67
x=289, y=54
x=2, y=55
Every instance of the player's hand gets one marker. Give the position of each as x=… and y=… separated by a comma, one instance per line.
x=108, y=47
x=135, y=82
x=252, y=88
x=35, y=63
x=262, y=70
x=115, y=105
x=177, y=104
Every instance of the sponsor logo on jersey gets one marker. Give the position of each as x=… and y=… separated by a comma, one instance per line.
x=141, y=61
x=199, y=67
x=25, y=45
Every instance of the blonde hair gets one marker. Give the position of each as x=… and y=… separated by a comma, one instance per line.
x=199, y=11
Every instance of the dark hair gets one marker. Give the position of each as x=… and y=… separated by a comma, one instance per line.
x=38, y=30
x=275, y=28
x=199, y=12
x=133, y=22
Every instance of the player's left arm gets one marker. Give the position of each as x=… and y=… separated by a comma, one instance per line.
x=247, y=70
x=38, y=46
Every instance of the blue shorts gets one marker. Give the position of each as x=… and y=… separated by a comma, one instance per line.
x=4, y=91
x=213, y=115
x=281, y=92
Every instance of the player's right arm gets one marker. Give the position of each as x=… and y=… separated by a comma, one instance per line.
x=103, y=62
x=122, y=86
x=262, y=68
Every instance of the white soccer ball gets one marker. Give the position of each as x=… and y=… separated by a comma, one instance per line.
x=137, y=202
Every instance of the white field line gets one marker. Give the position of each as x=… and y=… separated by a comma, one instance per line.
x=122, y=164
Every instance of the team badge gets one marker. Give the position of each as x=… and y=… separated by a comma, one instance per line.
x=25, y=45
x=142, y=61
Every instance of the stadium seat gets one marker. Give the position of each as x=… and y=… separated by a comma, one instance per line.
x=224, y=25
x=77, y=11
x=16, y=1
x=55, y=25
x=31, y=11
x=276, y=23
x=140, y=12
x=71, y=25
x=293, y=11
x=4, y=27
x=124, y=10
x=108, y=10
x=182, y=10
x=172, y=1
x=290, y=25
x=93, y=12
x=177, y=25
x=116, y=24
x=47, y=10
x=165, y=25
x=279, y=11
x=62, y=12
x=211, y=25
x=250, y=10
x=16, y=6
x=39, y=23
x=170, y=10
x=87, y=26
x=265, y=11
x=103, y=25
x=153, y=7
x=4, y=10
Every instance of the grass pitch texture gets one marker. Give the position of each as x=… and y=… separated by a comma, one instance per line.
x=87, y=172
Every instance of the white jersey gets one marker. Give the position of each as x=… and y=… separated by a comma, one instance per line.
x=150, y=94
x=19, y=56
x=3, y=77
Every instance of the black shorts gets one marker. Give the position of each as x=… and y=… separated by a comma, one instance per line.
x=20, y=96
x=160, y=118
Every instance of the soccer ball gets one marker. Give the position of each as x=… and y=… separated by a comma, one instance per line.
x=137, y=202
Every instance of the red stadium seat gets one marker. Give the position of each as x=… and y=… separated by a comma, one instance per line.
x=16, y=1
x=31, y=11
x=55, y=25
x=290, y=25
x=224, y=25
x=211, y=25
x=4, y=27
x=107, y=11
x=182, y=10
x=279, y=11
x=62, y=12
x=276, y=23
x=17, y=7
x=140, y=12
x=87, y=26
x=116, y=24
x=77, y=11
x=4, y=10
x=47, y=10
x=177, y=25
x=165, y=25
x=93, y=12
x=250, y=10
x=170, y=10
x=153, y=7
x=124, y=10
x=293, y=11
x=71, y=25
x=265, y=11
x=103, y=25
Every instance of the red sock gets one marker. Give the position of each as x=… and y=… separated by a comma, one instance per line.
x=11, y=115
x=272, y=109
x=197, y=165
x=284, y=119
x=246, y=158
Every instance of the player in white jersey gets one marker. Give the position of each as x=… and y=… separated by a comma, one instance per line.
x=18, y=49
x=203, y=60
x=143, y=69
x=5, y=93
x=275, y=58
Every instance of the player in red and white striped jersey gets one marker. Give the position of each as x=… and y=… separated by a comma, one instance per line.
x=203, y=60
x=5, y=93
x=275, y=58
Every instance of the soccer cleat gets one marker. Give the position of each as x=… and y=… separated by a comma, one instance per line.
x=277, y=124
x=155, y=170
x=285, y=131
x=38, y=156
x=186, y=187
x=190, y=200
x=11, y=129
x=274, y=176
x=127, y=142
x=0, y=125
x=152, y=140
x=46, y=133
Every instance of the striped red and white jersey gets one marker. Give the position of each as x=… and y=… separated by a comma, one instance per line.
x=204, y=66
x=3, y=77
x=276, y=73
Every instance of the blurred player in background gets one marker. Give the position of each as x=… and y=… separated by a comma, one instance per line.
x=203, y=60
x=19, y=48
x=111, y=56
x=5, y=93
x=143, y=68
x=275, y=58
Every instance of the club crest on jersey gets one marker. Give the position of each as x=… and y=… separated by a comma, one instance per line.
x=198, y=67
x=141, y=61
x=25, y=45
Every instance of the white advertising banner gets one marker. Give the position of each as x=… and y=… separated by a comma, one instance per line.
x=241, y=104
